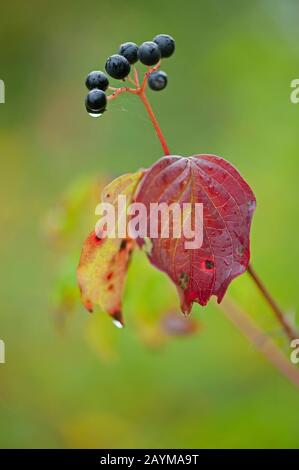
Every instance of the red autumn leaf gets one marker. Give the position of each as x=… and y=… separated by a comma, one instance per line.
x=228, y=206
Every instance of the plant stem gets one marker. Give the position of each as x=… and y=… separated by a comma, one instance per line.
x=291, y=333
x=140, y=91
x=119, y=91
x=262, y=342
x=136, y=77
x=154, y=121
x=147, y=75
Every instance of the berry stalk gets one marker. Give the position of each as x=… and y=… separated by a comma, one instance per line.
x=136, y=76
x=140, y=91
x=154, y=122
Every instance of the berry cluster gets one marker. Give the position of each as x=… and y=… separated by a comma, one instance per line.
x=118, y=66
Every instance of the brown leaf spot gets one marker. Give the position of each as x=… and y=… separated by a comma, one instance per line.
x=123, y=245
x=209, y=264
x=183, y=281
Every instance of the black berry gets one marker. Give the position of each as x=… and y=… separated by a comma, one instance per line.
x=129, y=51
x=157, y=80
x=96, y=101
x=117, y=66
x=166, y=44
x=149, y=53
x=98, y=80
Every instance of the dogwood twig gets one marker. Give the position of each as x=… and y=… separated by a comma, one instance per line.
x=290, y=332
x=140, y=91
x=121, y=90
x=263, y=342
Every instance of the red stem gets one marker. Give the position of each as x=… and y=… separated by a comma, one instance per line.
x=154, y=121
x=119, y=91
x=140, y=91
x=291, y=333
x=136, y=76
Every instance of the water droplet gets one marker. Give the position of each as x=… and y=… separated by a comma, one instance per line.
x=251, y=205
x=95, y=115
x=117, y=323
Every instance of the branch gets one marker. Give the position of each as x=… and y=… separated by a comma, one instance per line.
x=291, y=333
x=136, y=76
x=140, y=91
x=118, y=91
x=155, y=123
x=146, y=76
x=262, y=342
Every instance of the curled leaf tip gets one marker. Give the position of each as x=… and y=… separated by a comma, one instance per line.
x=118, y=319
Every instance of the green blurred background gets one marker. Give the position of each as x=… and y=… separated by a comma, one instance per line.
x=92, y=385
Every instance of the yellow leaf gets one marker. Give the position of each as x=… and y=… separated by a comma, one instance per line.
x=103, y=264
